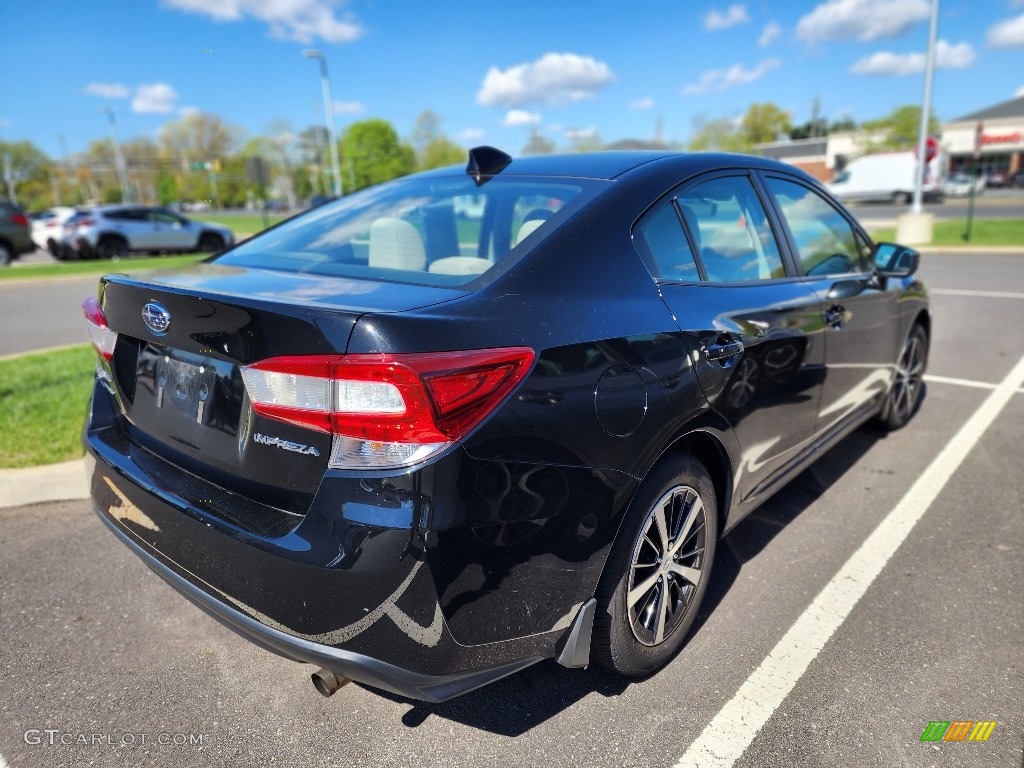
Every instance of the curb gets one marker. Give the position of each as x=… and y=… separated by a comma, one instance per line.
x=54, y=482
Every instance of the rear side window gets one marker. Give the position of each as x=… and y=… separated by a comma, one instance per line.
x=730, y=229
x=825, y=240
x=433, y=231
x=666, y=242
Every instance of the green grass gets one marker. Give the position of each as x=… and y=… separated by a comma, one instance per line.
x=244, y=225
x=44, y=397
x=983, y=232
x=98, y=266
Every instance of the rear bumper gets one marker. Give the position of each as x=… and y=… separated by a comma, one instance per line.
x=354, y=585
x=362, y=668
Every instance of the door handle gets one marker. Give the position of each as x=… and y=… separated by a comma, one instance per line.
x=835, y=316
x=724, y=351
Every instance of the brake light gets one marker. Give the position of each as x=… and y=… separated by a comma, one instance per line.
x=102, y=337
x=387, y=410
x=20, y=219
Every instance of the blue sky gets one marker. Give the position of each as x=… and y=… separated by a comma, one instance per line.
x=491, y=69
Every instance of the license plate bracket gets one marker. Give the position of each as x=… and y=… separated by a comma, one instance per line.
x=185, y=387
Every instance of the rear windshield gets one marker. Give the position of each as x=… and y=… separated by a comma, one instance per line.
x=428, y=230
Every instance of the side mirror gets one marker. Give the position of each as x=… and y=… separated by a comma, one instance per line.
x=892, y=260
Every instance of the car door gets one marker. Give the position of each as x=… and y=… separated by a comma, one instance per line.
x=859, y=310
x=755, y=331
x=171, y=231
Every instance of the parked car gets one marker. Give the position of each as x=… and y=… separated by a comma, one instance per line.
x=961, y=184
x=15, y=232
x=112, y=231
x=425, y=471
x=996, y=179
x=1016, y=180
x=48, y=228
x=888, y=176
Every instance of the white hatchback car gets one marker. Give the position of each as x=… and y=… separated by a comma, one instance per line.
x=48, y=228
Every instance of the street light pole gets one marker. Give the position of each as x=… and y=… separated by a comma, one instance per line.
x=325, y=82
x=926, y=107
x=122, y=171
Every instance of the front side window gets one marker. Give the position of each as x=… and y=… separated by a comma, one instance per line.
x=433, y=231
x=826, y=242
x=730, y=230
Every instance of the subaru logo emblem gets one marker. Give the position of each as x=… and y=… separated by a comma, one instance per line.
x=157, y=318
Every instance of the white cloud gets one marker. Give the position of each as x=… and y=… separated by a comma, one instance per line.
x=889, y=64
x=724, y=79
x=349, y=108
x=1017, y=94
x=472, y=134
x=735, y=14
x=1008, y=33
x=521, y=117
x=769, y=34
x=645, y=103
x=299, y=20
x=554, y=78
x=189, y=111
x=154, y=98
x=108, y=90
x=863, y=20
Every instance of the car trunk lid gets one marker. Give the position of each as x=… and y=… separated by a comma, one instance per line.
x=178, y=376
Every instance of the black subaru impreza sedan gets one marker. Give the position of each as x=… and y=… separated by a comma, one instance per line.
x=446, y=427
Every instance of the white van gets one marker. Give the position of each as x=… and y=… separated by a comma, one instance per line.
x=887, y=176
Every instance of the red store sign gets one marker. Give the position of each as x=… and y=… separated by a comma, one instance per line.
x=1002, y=138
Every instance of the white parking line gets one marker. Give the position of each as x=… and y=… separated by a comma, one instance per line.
x=963, y=382
x=732, y=730
x=981, y=294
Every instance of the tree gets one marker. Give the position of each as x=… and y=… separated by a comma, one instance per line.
x=199, y=137
x=899, y=129
x=433, y=148
x=441, y=152
x=763, y=123
x=373, y=153
x=28, y=168
x=719, y=135
x=585, y=141
x=538, y=145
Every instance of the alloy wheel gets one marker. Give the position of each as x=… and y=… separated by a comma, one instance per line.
x=667, y=565
x=909, y=372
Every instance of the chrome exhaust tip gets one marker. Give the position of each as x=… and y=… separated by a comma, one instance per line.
x=328, y=683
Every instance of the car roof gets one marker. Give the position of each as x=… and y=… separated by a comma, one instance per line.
x=612, y=164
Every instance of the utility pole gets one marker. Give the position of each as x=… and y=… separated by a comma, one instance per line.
x=325, y=84
x=122, y=171
x=926, y=107
x=7, y=178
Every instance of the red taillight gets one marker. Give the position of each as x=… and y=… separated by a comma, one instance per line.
x=387, y=410
x=20, y=219
x=102, y=337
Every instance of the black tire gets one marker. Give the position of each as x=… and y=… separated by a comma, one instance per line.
x=112, y=248
x=640, y=639
x=6, y=255
x=908, y=386
x=900, y=198
x=210, y=243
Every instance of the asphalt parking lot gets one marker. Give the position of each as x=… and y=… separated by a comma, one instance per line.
x=880, y=591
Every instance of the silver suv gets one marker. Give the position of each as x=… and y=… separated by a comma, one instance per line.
x=112, y=231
